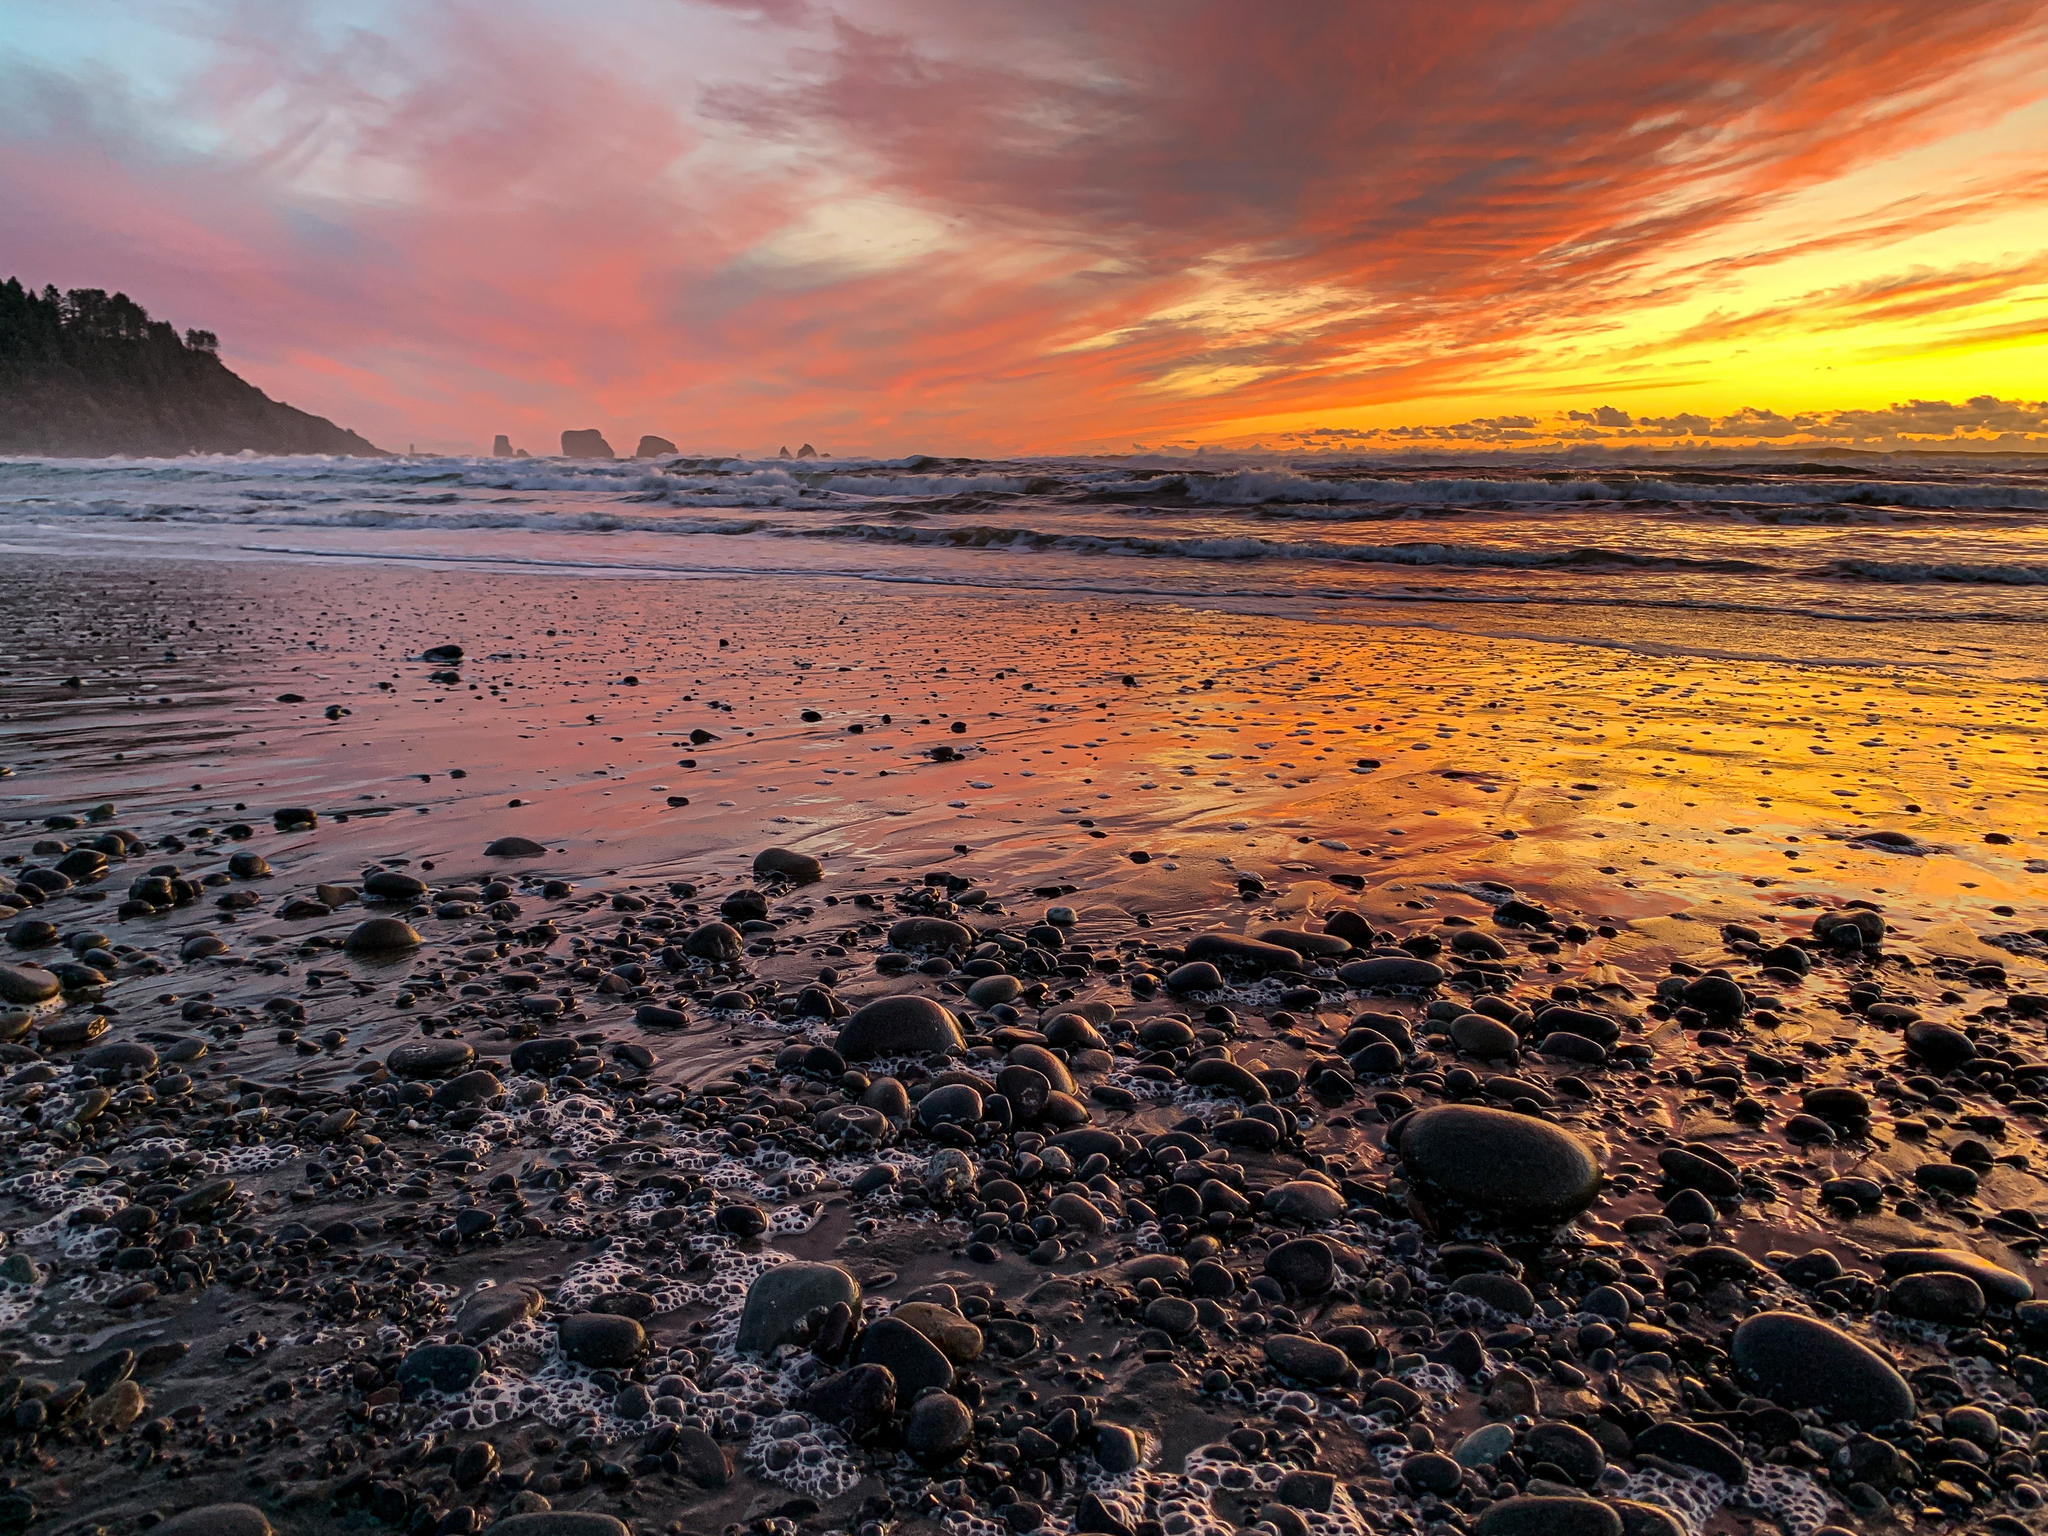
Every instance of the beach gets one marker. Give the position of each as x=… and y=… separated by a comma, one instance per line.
x=1702, y=827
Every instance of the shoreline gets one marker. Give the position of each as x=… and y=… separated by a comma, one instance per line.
x=1662, y=818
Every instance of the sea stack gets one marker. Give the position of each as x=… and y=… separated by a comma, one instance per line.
x=501, y=447
x=652, y=447
x=586, y=444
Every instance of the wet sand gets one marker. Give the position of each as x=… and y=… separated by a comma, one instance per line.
x=980, y=757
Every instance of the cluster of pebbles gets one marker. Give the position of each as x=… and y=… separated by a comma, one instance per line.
x=795, y=1201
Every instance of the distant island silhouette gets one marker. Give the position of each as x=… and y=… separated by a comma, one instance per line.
x=88, y=375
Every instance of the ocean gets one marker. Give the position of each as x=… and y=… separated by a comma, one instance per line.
x=1843, y=560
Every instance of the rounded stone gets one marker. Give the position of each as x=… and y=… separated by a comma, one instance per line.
x=905, y=1025
x=914, y=1360
x=990, y=990
x=1484, y=1446
x=470, y=1088
x=788, y=865
x=1305, y=1266
x=440, y=1368
x=1503, y=1293
x=1514, y=1168
x=928, y=933
x=430, y=1057
x=1391, y=973
x=1565, y=1446
x=958, y=1339
x=217, y=1520
x=513, y=847
x=27, y=984
x=1195, y=976
x=1533, y=1515
x=783, y=1296
x=381, y=936
x=1799, y=1362
x=556, y=1522
x=1304, y=1200
x=1477, y=1035
x=1309, y=1360
x=714, y=941
x=1432, y=1472
x=602, y=1339
x=953, y=1104
x=939, y=1428
x=1934, y=1297
x=1997, y=1284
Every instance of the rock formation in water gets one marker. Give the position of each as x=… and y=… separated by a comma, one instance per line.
x=807, y=452
x=587, y=444
x=86, y=375
x=501, y=447
x=653, y=447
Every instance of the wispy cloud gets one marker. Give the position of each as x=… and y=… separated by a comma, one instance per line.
x=895, y=223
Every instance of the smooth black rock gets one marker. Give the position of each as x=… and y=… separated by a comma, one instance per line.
x=1391, y=973
x=216, y=1520
x=1998, y=1284
x=382, y=936
x=1235, y=950
x=556, y=1522
x=430, y=1057
x=543, y=1058
x=1941, y=1047
x=938, y=1428
x=1305, y=1266
x=781, y=1298
x=1799, y=1362
x=1565, y=1446
x=1933, y=1297
x=914, y=933
x=1512, y=1167
x=477, y=1087
x=904, y=1025
x=910, y=1358
x=1309, y=1360
x=440, y=1368
x=861, y=1400
x=493, y=1311
x=602, y=1340
x=788, y=865
x=714, y=941
x=1195, y=976
x=1694, y=1448
x=1527, y=1515
x=26, y=985
x=514, y=847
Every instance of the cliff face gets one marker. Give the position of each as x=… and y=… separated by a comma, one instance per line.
x=85, y=375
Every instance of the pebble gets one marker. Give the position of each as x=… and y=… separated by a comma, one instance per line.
x=382, y=936
x=783, y=1295
x=1309, y=1360
x=782, y=863
x=1510, y=1167
x=217, y=1520
x=1800, y=1362
x=1524, y=1515
x=939, y=1428
x=899, y=1026
x=513, y=846
x=602, y=1339
x=26, y=984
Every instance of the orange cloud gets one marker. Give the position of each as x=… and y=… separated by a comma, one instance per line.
x=893, y=224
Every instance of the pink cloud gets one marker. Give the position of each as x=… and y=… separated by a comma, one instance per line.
x=888, y=224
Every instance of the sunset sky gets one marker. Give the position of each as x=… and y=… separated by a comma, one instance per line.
x=887, y=226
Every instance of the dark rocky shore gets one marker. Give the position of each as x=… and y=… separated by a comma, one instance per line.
x=516, y=1197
